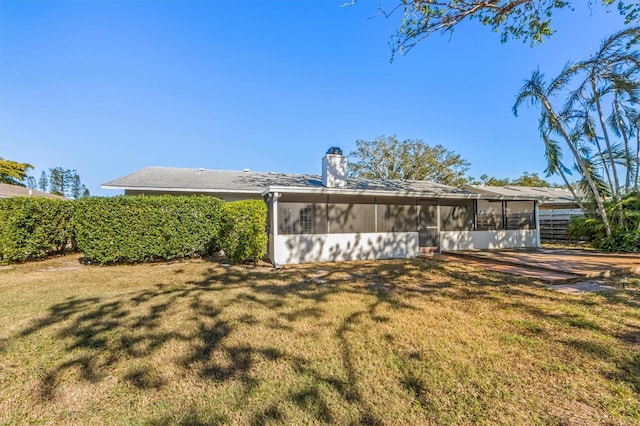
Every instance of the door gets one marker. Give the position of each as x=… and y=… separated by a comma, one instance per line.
x=428, y=231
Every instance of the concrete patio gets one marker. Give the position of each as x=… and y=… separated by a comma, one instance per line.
x=552, y=265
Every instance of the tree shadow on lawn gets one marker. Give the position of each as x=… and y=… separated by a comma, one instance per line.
x=100, y=335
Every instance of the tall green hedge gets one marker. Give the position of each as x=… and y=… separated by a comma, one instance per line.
x=243, y=232
x=145, y=228
x=132, y=229
x=33, y=228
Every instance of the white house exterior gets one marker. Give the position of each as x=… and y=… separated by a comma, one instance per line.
x=333, y=217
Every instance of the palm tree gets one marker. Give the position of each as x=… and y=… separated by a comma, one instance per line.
x=609, y=71
x=553, y=154
x=537, y=92
x=626, y=92
x=637, y=122
x=585, y=127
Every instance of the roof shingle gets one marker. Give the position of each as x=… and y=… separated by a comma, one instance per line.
x=9, y=191
x=182, y=179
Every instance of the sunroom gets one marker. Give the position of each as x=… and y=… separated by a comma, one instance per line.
x=306, y=227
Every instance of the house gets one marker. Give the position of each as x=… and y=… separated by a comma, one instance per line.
x=10, y=191
x=556, y=207
x=333, y=217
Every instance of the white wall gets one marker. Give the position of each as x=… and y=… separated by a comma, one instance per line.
x=469, y=240
x=308, y=248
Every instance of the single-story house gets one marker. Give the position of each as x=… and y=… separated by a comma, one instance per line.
x=10, y=191
x=556, y=207
x=333, y=217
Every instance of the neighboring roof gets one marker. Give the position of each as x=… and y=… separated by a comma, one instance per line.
x=173, y=179
x=545, y=195
x=9, y=191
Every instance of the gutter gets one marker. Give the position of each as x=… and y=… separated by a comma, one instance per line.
x=408, y=194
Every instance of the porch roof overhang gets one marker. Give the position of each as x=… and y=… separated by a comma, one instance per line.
x=399, y=193
x=547, y=196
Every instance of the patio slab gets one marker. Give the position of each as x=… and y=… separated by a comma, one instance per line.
x=555, y=265
x=507, y=268
x=582, y=287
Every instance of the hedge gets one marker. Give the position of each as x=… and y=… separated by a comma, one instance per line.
x=132, y=229
x=33, y=228
x=243, y=232
x=129, y=229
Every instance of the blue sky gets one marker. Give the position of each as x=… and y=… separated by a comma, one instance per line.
x=110, y=87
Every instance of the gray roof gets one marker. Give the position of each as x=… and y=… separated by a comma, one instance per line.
x=203, y=180
x=545, y=195
x=9, y=191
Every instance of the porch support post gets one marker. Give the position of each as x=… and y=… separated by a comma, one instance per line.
x=274, y=227
x=536, y=214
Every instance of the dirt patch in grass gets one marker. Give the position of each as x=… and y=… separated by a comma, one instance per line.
x=388, y=342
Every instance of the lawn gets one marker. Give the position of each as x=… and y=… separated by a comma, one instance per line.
x=385, y=342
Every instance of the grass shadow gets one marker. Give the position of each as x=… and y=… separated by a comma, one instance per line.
x=100, y=335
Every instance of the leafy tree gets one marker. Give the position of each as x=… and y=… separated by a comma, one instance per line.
x=77, y=189
x=43, y=182
x=532, y=179
x=528, y=20
x=13, y=172
x=389, y=158
x=527, y=179
x=491, y=181
x=57, y=183
x=64, y=182
x=30, y=181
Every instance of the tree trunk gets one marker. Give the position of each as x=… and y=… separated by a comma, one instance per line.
x=573, y=192
x=627, y=149
x=581, y=164
x=637, y=158
x=604, y=163
x=616, y=181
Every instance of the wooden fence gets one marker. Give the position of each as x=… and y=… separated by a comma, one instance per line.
x=554, y=225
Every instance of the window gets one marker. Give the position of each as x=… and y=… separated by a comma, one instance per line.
x=351, y=214
x=428, y=214
x=397, y=218
x=520, y=215
x=489, y=216
x=301, y=218
x=346, y=218
x=456, y=216
x=512, y=215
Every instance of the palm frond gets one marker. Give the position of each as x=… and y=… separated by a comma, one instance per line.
x=532, y=91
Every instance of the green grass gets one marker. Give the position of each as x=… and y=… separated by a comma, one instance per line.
x=387, y=342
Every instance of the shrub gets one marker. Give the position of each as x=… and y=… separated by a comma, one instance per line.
x=146, y=228
x=243, y=233
x=620, y=240
x=33, y=228
x=624, y=217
